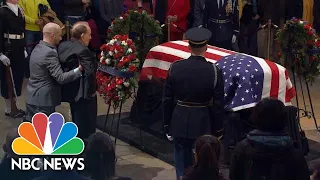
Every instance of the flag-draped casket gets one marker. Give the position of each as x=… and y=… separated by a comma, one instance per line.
x=247, y=79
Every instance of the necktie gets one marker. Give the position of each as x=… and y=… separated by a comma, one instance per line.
x=220, y=3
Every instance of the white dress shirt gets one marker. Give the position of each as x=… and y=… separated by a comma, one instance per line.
x=14, y=8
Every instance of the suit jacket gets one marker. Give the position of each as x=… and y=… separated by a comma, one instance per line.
x=85, y=86
x=46, y=75
x=183, y=85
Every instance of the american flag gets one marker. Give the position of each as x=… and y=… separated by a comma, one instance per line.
x=248, y=79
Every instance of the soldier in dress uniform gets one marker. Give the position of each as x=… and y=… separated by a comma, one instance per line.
x=221, y=17
x=12, y=54
x=190, y=87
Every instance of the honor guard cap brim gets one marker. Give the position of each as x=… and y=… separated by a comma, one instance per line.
x=198, y=37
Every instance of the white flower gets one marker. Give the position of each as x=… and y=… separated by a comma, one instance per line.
x=111, y=42
x=126, y=84
x=115, y=51
x=121, y=18
x=124, y=43
x=110, y=53
x=102, y=54
x=101, y=59
x=301, y=22
x=108, y=61
x=129, y=50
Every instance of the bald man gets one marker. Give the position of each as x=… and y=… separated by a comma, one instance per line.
x=46, y=74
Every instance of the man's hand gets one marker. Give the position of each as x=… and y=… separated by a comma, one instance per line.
x=39, y=22
x=80, y=68
x=5, y=60
x=234, y=39
x=170, y=138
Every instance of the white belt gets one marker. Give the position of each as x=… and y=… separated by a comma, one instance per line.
x=14, y=36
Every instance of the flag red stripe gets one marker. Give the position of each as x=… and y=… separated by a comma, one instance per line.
x=274, y=90
x=186, y=49
x=160, y=56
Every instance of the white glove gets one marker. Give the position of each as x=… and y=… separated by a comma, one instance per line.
x=170, y=138
x=25, y=54
x=234, y=39
x=5, y=60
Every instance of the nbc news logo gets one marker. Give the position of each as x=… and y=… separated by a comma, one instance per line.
x=47, y=137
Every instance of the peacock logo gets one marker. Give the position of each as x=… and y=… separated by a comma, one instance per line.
x=48, y=136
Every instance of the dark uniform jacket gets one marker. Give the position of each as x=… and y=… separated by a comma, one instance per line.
x=190, y=82
x=85, y=86
x=214, y=14
x=15, y=25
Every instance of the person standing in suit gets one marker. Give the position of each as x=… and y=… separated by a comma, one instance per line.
x=175, y=10
x=12, y=55
x=46, y=74
x=221, y=17
x=83, y=104
x=190, y=86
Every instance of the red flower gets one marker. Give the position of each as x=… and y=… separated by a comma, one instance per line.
x=307, y=27
x=120, y=64
x=310, y=42
x=116, y=98
x=132, y=68
x=103, y=62
x=313, y=58
x=133, y=48
x=124, y=37
x=129, y=42
x=109, y=30
x=112, y=48
x=132, y=57
x=119, y=81
x=103, y=47
x=310, y=33
x=126, y=60
x=117, y=37
x=317, y=43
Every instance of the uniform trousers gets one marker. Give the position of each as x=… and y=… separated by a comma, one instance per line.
x=183, y=155
x=84, y=115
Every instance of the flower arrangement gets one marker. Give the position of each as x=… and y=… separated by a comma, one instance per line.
x=118, y=63
x=142, y=28
x=299, y=47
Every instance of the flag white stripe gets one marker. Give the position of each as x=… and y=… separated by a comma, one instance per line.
x=155, y=63
x=282, y=80
x=209, y=50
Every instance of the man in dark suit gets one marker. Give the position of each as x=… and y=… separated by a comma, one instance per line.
x=190, y=86
x=82, y=92
x=46, y=74
x=221, y=17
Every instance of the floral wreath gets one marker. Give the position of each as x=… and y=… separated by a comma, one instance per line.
x=141, y=27
x=117, y=67
x=299, y=48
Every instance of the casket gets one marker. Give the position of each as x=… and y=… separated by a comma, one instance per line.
x=248, y=79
